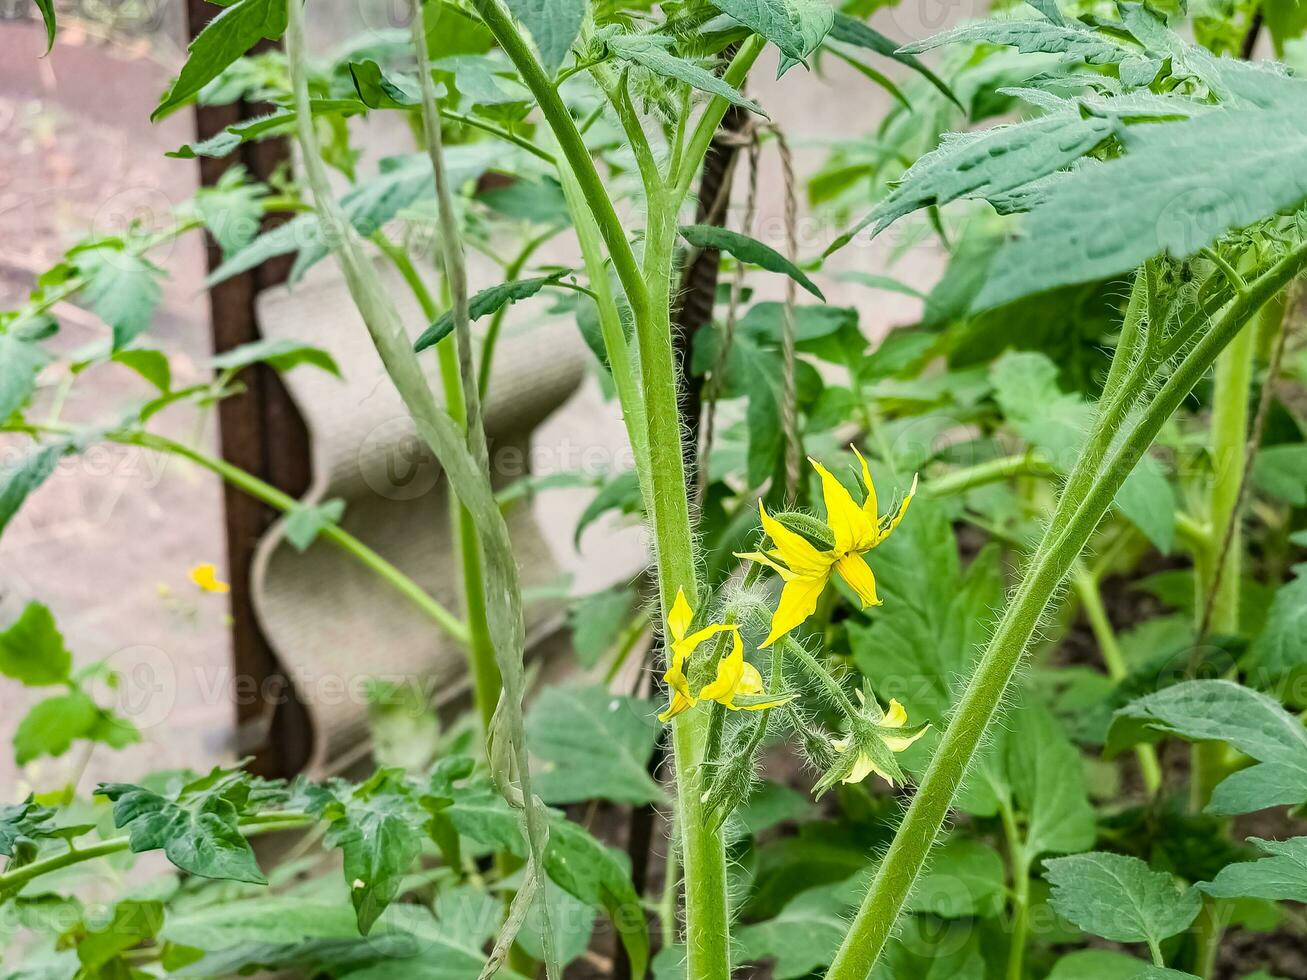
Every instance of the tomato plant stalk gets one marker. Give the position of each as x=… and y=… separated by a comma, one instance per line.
x=1068, y=532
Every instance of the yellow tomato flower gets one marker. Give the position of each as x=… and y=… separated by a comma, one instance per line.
x=865, y=765
x=735, y=676
x=806, y=569
x=678, y=624
x=206, y=577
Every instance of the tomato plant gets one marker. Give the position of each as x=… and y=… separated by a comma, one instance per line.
x=918, y=719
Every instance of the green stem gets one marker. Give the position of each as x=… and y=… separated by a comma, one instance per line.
x=476, y=122
x=486, y=681
x=1019, y=865
x=687, y=166
x=992, y=471
x=1086, y=587
x=1062, y=544
x=11, y=881
x=793, y=648
x=463, y=464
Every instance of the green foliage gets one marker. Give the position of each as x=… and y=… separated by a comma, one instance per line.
x=653, y=52
x=280, y=354
x=553, y=25
x=1026, y=388
x=20, y=362
x=235, y=29
x=1120, y=897
x=197, y=827
x=121, y=287
x=593, y=745
x=487, y=301
x=1219, y=710
x=747, y=249
x=32, y=649
x=306, y=522
x=1280, y=875
x=797, y=27
x=48, y=17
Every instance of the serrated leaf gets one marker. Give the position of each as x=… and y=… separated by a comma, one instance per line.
x=1179, y=187
x=376, y=828
x=20, y=363
x=1219, y=710
x=306, y=521
x=32, y=649
x=797, y=27
x=484, y=303
x=1031, y=37
x=278, y=353
x=224, y=39
x=20, y=477
x=991, y=163
x=589, y=744
x=553, y=25
x=1120, y=897
x=850, y=30
x=651, y=51
x=197, y=827
x=22, y=825
x=1281, y=646
x=1280, y=876
x=122, y=288
x=747, y=249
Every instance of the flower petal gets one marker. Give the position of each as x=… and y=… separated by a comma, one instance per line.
x=679, y=704
x=853, y=529
x=794, y=549
x=897, y=743
x=798, y=602
x=767, y=560
x=750, y=680
x=857, y=573
x=206, y=577
x=679, y=619
x=895, y=717
x=893, y=522
x=685, y=647
x=729, y=672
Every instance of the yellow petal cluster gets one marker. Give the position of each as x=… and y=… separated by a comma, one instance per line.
x=735, y=675
x=864, y=765
x=855, y=530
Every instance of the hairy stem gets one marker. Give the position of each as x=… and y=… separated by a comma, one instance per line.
x=1062, y=544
